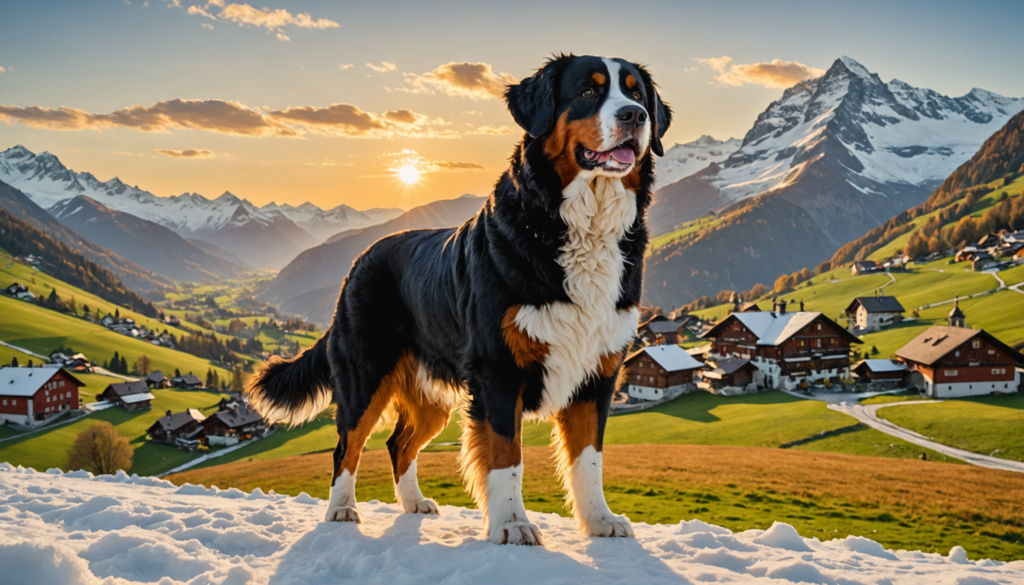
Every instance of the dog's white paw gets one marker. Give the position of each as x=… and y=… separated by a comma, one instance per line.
x=424, y=506
x=343, y=514
x=516, y=533
x=611, y=525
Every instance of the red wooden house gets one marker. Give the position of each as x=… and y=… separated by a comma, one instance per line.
x=31, y=395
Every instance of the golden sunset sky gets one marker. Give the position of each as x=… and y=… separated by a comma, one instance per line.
x=324, y=101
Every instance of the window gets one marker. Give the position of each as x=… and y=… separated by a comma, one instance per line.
x=991, y=352
x=950, y=373
x=14, y=402
x=819, y=326
x=976, y=344
x=998, y=371
x=651, y=378
x=62, y=383
x=819, y=343
x=957, y=353
x=5, y=402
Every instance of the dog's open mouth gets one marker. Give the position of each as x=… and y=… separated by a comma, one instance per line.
x=621, y=157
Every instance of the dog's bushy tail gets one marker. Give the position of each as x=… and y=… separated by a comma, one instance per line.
x=293, y=391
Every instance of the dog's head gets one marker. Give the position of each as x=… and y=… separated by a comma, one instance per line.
x=593, y=115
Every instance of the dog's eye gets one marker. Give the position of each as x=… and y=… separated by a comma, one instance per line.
x=588, y=93
x=636, y=95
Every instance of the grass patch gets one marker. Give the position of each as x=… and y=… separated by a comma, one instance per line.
x=871, y=443
x=889, y=398
x=914, y=505
x=989, y=425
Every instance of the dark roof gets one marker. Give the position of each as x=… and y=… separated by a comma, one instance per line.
x=866, y=264
x=237, y=417
x=156, y=376
x=731, y=365
x=939, y=340
x=955, y=312
x=173, y=422
x=662, y=326
x=129, y=388
x=189, y=379
x=749, y=308
x=878, y=304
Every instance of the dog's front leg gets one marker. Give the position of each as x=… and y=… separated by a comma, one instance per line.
x=579, y=436
x=492, y=466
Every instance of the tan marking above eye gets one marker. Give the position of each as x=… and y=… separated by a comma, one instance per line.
x=630, y=81
x=598, y=78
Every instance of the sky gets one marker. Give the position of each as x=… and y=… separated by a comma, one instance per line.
x=334, y=102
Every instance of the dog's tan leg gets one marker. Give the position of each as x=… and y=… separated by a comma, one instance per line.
x=419, y=421
x=578, y=440
x=492, y=469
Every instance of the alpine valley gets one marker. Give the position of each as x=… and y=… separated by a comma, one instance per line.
x=833, y=158
x=260, y=237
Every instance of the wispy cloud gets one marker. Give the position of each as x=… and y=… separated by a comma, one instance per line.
x=190, y=153
x=227, y=117
x=207, y=25
x=472, y=80
x=2, y=70
x=454, y=165
x=274, y=20
x=774, y=74
x=490, y=130
x=345, y=66
x=384, y=67
x=129, y=153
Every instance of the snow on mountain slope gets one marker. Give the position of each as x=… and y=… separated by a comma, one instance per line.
x=891, y=133
x=119, y=529
x=683, y=160
x=324, y=223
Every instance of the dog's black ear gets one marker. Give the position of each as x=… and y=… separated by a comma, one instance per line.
x=660, y=112
x=532, y=101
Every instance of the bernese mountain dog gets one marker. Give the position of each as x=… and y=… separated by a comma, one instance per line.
x=524, y=311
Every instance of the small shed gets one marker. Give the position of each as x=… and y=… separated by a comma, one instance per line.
x=731, y=372
x=131, y=396
x=184, y=425
x=157, y=380
x=234, y=423
x=880, y=370
x=187, y=381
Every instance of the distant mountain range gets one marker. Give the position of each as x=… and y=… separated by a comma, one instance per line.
x=20, y=206
x=267, y=237
x=683, y=160
x=835, y=157
x=309, y=284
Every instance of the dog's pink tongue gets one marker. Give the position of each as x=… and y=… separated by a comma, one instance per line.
x=625, y=156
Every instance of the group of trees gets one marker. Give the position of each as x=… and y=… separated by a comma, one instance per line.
x=117, y=364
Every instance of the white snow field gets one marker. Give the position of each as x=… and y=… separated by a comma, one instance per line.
x=72, y=528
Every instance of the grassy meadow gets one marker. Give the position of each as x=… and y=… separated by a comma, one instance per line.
x=990, y=425
x=902, y=504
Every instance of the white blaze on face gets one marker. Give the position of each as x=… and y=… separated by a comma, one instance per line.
x=616, y=100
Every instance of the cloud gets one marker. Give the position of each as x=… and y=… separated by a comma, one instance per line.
x=273, y=20
x=490, y=130
x=776, y=74
x=384, y=67
x=130, y=153
x=233, y=118
x=2, y=70
x=345, y=66
x=283, y=37
x=207, y=25
x=472, y=80
x=190, y=153
x=448, y=165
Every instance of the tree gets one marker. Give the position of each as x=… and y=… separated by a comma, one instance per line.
x=117, y=313
x=14, y=362
x=237, y=382
x=235, y=326
x=874, y=350
x=143, y=365
x=101, y=450
x=124, y=365
x=115, y=363
x=782, y=284
x=85, y=310
x=177, y=374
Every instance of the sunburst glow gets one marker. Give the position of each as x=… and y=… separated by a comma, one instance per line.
x=409, y=174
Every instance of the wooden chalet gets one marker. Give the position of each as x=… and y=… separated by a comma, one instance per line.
x=864, y=267
x=880, y=371
x=659, y=371
x=131, y=396
x=233, y=423
x=659, y=330
x=187, y=381
x=29, y=395
x=786, y=347
x=957, y=361
x=180, y=425
x=730, y=373
x=867, y=313
x=157, y=380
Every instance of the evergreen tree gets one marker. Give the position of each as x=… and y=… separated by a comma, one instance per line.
x=14, y=362
x=124, y=365
x=115, y=363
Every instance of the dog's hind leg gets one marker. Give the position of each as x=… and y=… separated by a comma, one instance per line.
x=421, y=417
x=578, y=436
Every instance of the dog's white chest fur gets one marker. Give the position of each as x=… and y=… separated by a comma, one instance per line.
x=598, y=212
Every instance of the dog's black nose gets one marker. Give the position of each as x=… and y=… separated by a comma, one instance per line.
x=631, y=115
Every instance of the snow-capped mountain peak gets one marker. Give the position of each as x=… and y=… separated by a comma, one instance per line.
x=682, y=160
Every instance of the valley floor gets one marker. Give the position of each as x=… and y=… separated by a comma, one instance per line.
x=80, y=530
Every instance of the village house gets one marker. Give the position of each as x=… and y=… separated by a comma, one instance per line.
x=659, y=371
x=20, y=292
x=157, y=380
x=887, y=373
x=787, y=347
x=731, y=376
x=131, y=396
x=187, y=381
x=233, y=423
x=864, y=267
x=185, y=425
x=659, y=330
x=30, y=395
x=955, y=360
x=868, y=313
x=108, y=321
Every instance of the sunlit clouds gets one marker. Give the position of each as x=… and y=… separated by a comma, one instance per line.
x=274, y=20
x=189, y=153
x=774, y=74
x=384, y=67
x=465, y=79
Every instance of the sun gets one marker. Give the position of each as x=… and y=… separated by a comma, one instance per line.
x=409, y=174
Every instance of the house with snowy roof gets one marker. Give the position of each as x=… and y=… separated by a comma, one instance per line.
x=880, y=371
x=659, y=329
x=731, y=376
x=787, y=347
x=659, y=371
x=869, y=313
x=29, y=395
x=187, y=425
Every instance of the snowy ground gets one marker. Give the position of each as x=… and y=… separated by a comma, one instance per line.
x=70, y=529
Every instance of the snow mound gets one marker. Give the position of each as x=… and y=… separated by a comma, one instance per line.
x=75, y=529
